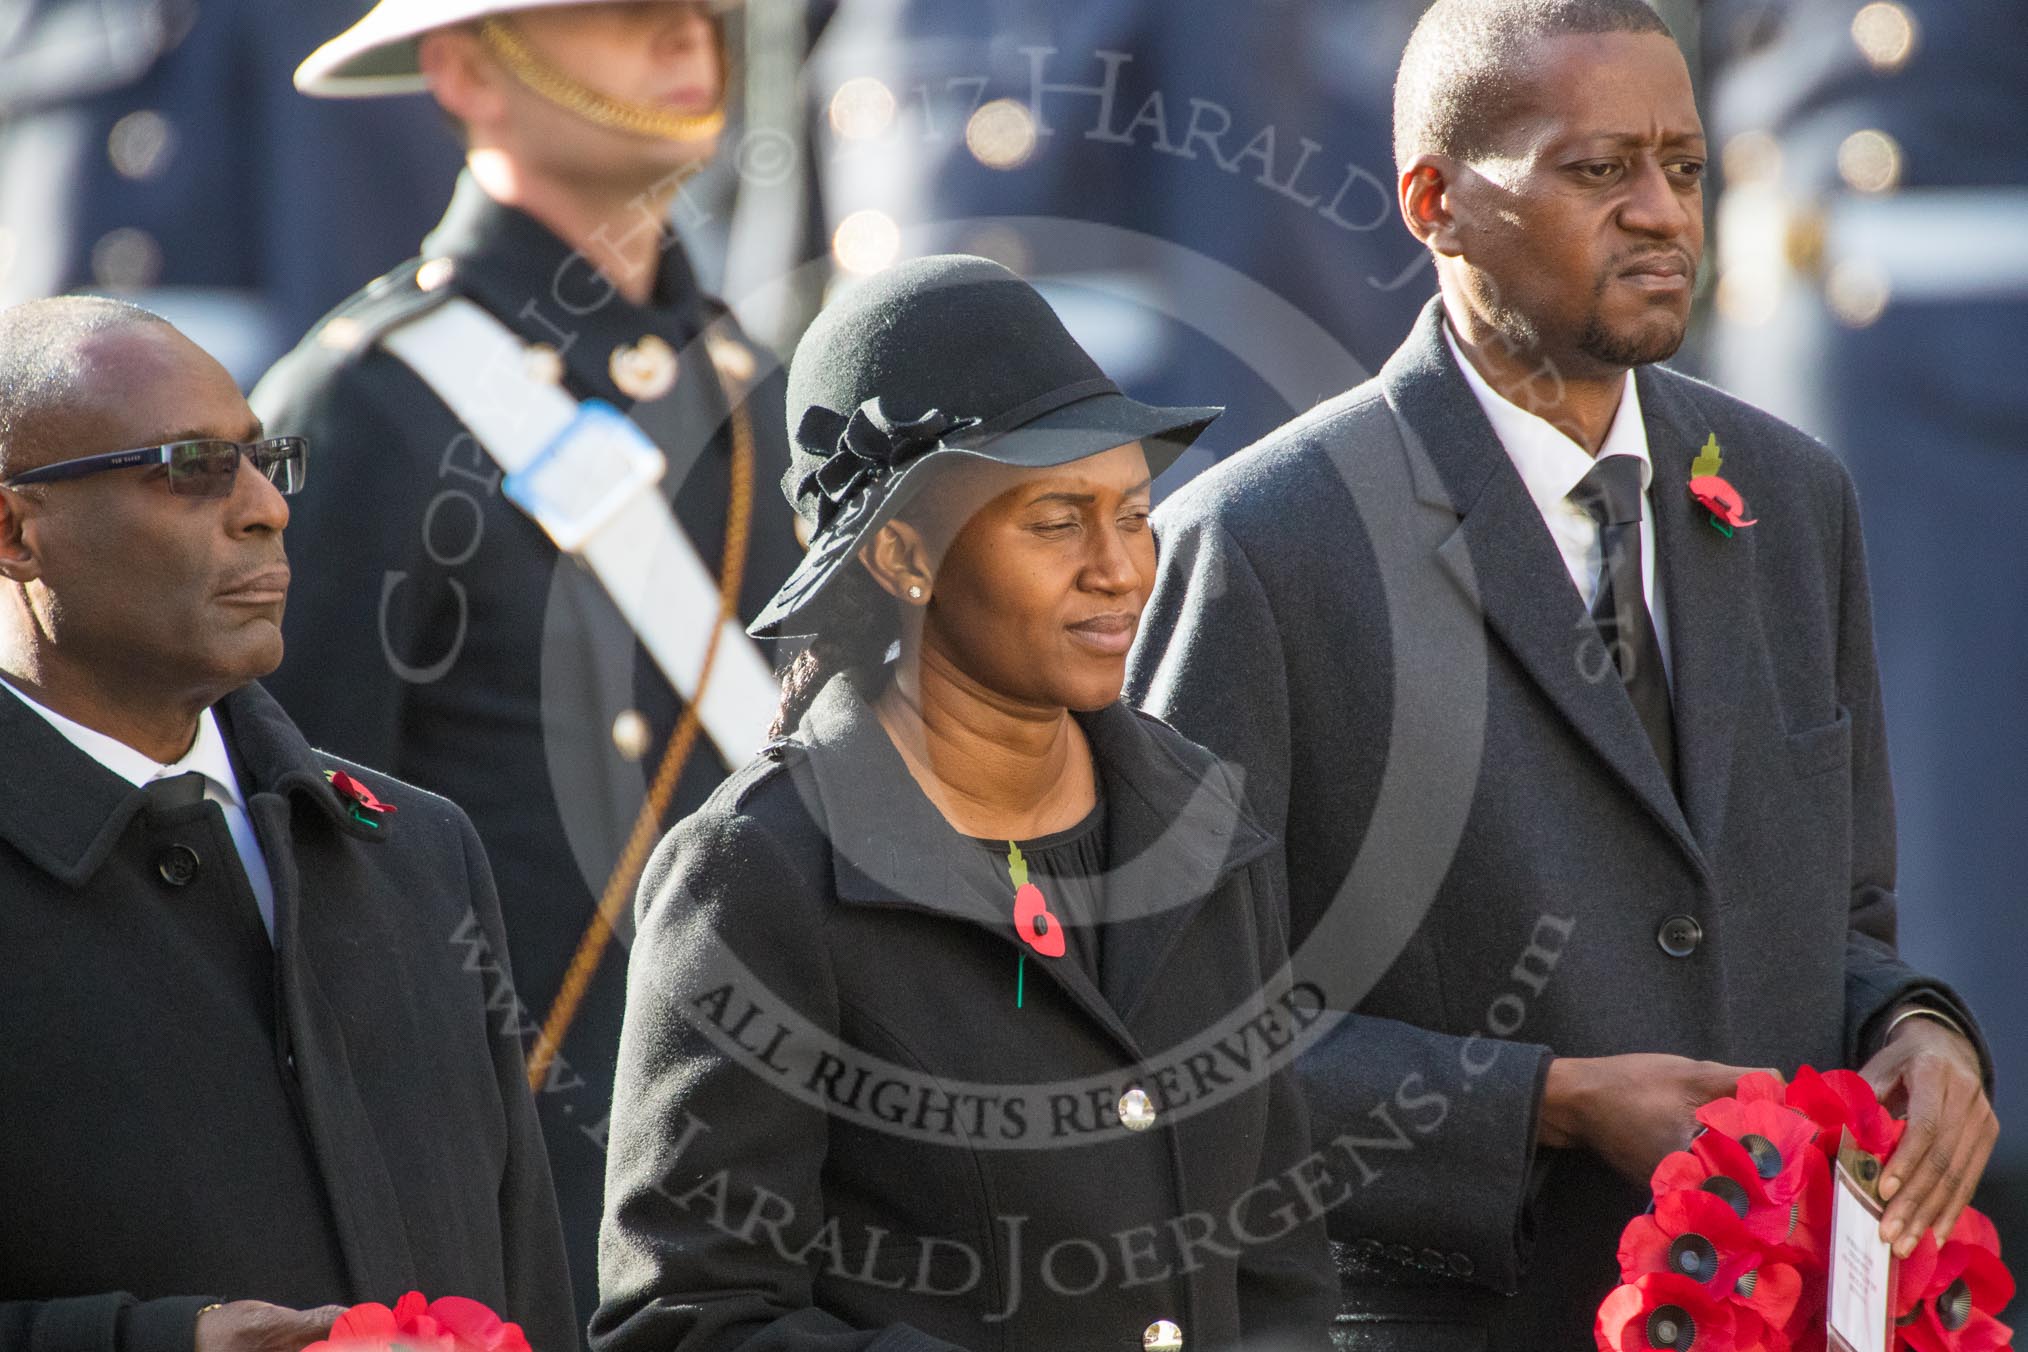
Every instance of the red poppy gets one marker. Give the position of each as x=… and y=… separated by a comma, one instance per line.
x=1720, y=499
x=348, y=787
x=448, y=1324
x=1666, y=1311
x=1721, y=1166
x=1033, y=920
x=1758, y=1179
x=1692, y=1234
x=1947, y=1294
x=1840, y=1100
x=1698, y=1235
x=1777, y=1137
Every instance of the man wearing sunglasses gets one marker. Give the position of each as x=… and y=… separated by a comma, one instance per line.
x=247, y=1075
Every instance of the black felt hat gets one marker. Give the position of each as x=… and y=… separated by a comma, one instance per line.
x=930, y=365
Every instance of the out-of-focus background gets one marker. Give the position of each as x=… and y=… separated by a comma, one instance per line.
x=1205, y=191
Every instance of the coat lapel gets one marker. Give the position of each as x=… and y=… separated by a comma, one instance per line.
x=1712, y=625
x=1503, y=558
x=364, y=1202
x=1173, y=834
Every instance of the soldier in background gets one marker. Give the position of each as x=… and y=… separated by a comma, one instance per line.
x=153, y=150
x=546, y=380
x=1872, y=238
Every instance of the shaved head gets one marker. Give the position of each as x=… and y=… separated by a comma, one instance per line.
x=1468, y=59
x=46, y=368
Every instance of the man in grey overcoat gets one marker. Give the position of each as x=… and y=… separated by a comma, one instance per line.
x=1580, y=766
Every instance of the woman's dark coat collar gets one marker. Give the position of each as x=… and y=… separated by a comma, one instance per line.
x=1176, y=829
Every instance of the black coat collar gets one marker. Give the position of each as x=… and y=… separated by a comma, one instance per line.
x=1176, y=829
x=66, y=812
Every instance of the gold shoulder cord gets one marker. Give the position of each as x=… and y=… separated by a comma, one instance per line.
x=643, y=119
x=619, y=890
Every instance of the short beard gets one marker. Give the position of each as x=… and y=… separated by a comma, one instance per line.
x=1607, y=348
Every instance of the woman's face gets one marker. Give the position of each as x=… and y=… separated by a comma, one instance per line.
x=1039, y=593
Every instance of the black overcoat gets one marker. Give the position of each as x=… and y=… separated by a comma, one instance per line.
x=834, y=1128
x=1484, y=857
x=191, y=1114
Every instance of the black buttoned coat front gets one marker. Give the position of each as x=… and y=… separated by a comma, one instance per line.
x=193, y=1114
x=854, y=1111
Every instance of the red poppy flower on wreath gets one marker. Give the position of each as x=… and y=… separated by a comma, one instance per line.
x=1666, y=1311
x=1694, y=1235
x=1839, y=1101
x=1775, y=1135
x=1721, y=1166
x=1697, y=1235
x=1947, y=1294
x=447, y=1324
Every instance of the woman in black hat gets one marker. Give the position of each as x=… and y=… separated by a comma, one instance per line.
x=961, y=1018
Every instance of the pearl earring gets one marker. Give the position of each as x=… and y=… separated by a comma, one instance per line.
x=915, y=593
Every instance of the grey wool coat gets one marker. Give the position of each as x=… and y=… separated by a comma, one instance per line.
x=835, y=1128
x=1485, y=862
x=193, y=1114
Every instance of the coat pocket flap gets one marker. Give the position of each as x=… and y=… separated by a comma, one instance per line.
x=1817, y=750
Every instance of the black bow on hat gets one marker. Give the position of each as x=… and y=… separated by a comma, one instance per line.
x=861, y=452
x=934, y=334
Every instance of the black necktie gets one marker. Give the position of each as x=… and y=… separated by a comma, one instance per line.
x=1611, y=492
x=174, y=791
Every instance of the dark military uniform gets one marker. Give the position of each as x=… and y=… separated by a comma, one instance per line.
x=435, y=631
x=1902, y=348
x=172, y=165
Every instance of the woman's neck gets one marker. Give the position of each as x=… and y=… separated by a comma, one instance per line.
x=996, y=768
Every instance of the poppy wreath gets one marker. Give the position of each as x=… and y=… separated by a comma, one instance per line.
x=415, y=1324
x=1733, y=1256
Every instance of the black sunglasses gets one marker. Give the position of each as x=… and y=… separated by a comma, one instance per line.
x=197, y=469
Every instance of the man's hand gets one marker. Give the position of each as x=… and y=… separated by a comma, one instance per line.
x=1630, y=1110
x=1929, y=1074
x=256, y=1326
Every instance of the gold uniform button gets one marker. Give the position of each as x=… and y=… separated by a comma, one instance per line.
x=434, y=274
x=542, y=364
x=644, y=370
x=1137, y=1112
x=733, y=359
x=1162, y=1336
x=631, y=734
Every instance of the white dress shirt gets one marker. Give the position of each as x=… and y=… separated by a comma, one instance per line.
x=1551, y=465
x=207, y=756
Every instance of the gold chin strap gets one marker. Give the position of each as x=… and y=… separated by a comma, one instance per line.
x=545, y=80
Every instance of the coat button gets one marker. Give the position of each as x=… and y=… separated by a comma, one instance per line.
x=178, y=865
x=1162, y=1336
x=1137, y=1113
x=1460, y=1265
x=1679, y=936
x=632, y=735
x=1432, y=1259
